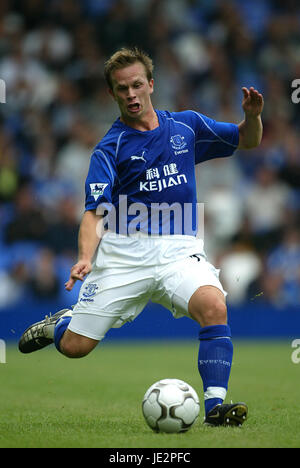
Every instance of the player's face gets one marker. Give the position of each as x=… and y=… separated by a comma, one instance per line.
x=132, y=90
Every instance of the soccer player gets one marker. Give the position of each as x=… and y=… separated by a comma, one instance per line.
x=143, y=168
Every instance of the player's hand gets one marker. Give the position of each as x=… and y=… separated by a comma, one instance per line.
x=78, y=272
x=253, y=102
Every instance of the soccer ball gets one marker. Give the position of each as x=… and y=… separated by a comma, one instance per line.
x=170, y=405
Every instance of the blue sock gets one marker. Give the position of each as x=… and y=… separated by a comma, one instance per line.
x=59, y=329
x=214, y=363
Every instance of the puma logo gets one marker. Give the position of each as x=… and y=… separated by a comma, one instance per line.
x=138, y=157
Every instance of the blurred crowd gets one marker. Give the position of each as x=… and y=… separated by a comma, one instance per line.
x=57, y=108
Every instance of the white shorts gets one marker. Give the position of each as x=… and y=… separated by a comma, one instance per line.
x=111, y=296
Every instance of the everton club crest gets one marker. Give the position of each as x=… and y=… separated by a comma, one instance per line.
x=90, y=290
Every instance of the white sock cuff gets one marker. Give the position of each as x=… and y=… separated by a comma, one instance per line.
x=215, y=392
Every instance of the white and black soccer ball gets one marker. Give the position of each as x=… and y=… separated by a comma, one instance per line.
x=170, y=405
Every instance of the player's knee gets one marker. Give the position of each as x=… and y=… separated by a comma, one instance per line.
x=215, y=313
x=76, y=346
x=73, y=351
x=207, y=306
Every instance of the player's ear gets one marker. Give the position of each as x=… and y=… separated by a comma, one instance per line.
x=110, y=91
x=151, y=85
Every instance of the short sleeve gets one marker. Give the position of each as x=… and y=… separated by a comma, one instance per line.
x=214, y=139
x=100, y=179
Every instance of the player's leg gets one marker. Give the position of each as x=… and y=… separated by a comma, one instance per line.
x=90, y=329
x=75, y=333
x=207, y=306
x=198, y=293
x=78, y=336
x=73, y=345
x=41, y=334
x=51, y=330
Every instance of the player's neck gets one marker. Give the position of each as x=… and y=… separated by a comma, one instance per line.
x=143, y=124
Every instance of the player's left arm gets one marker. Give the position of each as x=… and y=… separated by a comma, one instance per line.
x=251, y=128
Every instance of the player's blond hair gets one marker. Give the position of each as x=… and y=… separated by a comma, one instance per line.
x=125, y=57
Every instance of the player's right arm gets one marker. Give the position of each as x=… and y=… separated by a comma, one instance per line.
x=98, y=187
x=88, y=241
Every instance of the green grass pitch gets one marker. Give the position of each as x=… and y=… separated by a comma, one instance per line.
x=48, y=400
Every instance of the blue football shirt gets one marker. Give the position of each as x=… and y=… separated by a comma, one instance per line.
x=145, y=180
